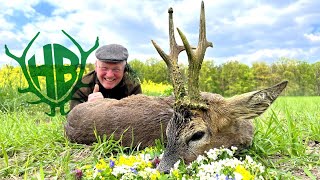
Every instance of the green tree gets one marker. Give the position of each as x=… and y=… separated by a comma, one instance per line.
x=209, y=81
x=316, y=70
x=152, y=70
x=285, y=69
x=262, y=74
x=139, y=67
x=305, y=79
x=90, y=66
x=236, y=78
x=156, y=71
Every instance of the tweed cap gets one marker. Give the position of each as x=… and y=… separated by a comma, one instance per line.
x=112, y=53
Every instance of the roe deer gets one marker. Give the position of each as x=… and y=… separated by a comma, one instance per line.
x=194, y=121
x=202, y=122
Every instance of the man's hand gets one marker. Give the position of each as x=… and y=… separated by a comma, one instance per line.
x=95, y=94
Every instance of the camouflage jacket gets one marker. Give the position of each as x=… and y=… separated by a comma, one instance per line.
x=125, y=88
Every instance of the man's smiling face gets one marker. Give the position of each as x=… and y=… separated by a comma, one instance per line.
x=110, y=73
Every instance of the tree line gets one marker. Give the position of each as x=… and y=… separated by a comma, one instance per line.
x=233, y=77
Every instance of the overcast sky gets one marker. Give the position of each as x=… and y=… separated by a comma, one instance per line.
x=247, y=31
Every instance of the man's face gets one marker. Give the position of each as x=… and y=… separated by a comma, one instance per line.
x=110, y=74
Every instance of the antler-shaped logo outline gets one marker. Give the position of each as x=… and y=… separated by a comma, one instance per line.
x=33, y=87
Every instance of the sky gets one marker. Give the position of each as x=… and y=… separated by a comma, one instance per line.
x=247, y=31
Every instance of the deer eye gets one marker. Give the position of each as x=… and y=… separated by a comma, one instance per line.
x=197, y=136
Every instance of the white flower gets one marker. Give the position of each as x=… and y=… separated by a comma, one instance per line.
x=143, y=174
x=120, y=170
x=176, y=165
x=261, y=168
x=200, y=159
x=128, y=176
x=229, y=152
x=237, y=175
x=95, y=174
x=145, y=157
x=209, y=167
x=161, y=156
x=233, y=148
x=147, y=172
x=213, y=154
x=150, y=170
x=249, y=159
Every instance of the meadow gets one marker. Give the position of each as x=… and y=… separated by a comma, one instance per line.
x=33, y=145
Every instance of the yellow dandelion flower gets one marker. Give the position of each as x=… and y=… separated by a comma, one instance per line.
x=246, y=175
x=176, y=173
x=101, y=165
x=88, y=173
x=155, y=175
x=142, y=165
x=126, y=160
x=149, y=164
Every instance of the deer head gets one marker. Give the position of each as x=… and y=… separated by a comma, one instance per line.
x=204, y=121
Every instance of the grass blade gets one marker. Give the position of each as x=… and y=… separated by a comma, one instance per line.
x=5, y=155
x=309, y=174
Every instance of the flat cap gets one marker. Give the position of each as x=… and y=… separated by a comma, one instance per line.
x=112, y=53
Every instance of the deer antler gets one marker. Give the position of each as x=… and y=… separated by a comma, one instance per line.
x=195, y=59
x=172, y=61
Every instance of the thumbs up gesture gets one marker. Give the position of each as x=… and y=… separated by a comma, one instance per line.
x=95, y=94
x=96, y=88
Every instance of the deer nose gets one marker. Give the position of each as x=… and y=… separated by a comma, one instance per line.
x=166, y=171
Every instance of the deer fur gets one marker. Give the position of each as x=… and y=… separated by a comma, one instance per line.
x=139, y=119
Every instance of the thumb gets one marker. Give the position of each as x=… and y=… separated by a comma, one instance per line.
x=96, y=88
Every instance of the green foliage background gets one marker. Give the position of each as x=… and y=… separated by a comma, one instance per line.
x=233, y=77
x=227, y=79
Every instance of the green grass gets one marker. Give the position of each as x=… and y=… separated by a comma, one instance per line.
x=283, y=134
x=33, y=146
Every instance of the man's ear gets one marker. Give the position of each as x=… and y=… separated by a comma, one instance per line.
x=252, y=104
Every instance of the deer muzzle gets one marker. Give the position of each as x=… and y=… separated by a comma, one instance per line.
x=168, y=160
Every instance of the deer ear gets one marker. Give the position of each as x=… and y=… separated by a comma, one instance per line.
x=252, y=104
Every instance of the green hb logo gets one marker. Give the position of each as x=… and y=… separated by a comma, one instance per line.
x=58, y=90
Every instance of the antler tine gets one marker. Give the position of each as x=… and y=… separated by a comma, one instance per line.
x=195, y=58
x=24, y=54
x=172, y=61
x=203, y=44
